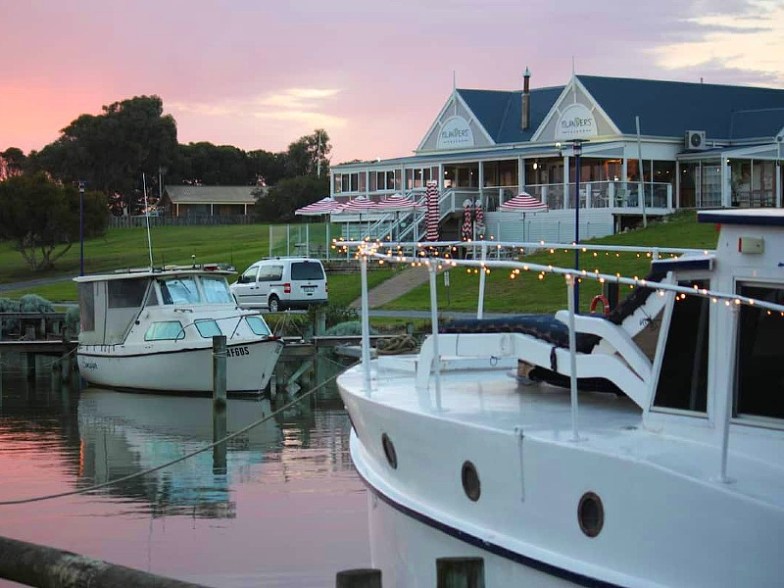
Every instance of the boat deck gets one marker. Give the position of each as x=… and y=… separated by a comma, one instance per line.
x=493, y=398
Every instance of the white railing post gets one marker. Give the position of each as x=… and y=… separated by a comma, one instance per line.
x=365, y=319
x=729, y=392
x=434, y=329
x=481, y=302
x=572, y=355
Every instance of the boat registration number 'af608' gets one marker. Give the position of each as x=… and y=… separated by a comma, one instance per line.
x=237, y=351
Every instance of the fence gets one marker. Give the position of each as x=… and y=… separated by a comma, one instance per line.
x=126, y=222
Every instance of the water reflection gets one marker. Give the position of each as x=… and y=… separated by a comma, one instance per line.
x=281, y=506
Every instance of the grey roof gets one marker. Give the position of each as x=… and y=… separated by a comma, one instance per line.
x=666, y=109
x=212, y=194
x=669, y=109
x=500, y=112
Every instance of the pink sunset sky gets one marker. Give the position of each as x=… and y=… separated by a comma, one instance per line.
x=259, y=74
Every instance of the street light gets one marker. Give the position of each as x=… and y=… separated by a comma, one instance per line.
x=577, y=147
x=81, y=228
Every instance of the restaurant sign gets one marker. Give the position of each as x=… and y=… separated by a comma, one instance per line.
x=576, y=122
x=455, y=133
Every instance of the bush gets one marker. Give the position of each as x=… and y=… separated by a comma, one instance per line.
x=9, y=325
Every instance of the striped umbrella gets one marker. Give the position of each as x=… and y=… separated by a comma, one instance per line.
x=357, y=206
x=399, y=203
x=524, y=203
x=432, y=215
x=324, y=206
x=467, y=229
x=479, y=219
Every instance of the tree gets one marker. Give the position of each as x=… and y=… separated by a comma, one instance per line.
x=288, y=195
x=110, y=151
x=12, y=162
x=40, y=218
x=308, y=155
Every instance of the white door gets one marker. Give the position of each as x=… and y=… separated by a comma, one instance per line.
x=247, y=288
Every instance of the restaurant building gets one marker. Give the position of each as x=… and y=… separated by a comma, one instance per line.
x=625, y=148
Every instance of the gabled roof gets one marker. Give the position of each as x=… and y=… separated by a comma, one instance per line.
x=212, y=194
x=668, y=109
x=500, y=112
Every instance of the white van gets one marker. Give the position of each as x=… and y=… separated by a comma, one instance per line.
x=281, y=283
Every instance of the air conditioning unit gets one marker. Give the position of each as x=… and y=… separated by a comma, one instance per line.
x=695, y=140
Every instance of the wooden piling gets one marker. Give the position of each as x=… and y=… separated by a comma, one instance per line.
x=39, y=565
x=359, y=578
x=219, y=370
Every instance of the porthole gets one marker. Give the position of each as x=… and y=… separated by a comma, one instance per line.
x=470, y=478
x=590, y=514
x=389, y=450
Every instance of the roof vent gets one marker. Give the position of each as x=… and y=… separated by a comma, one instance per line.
x=695, y=140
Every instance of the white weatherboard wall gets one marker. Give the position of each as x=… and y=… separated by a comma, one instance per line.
x=556, y=226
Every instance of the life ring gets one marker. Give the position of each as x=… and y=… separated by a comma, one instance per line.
x=605, y=304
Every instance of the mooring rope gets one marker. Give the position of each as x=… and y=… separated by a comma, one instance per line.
x=256, y=423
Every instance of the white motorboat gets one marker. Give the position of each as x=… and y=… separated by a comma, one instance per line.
x=153, y=330
x=647, y=450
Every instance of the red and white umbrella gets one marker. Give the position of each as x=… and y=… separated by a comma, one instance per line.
x=523, y=202
x=357, y=205
x=466, y=231
x=479, y=219
x=399, y=203
x=321, y=207
x=432, y=215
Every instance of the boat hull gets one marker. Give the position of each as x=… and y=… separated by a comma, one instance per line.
x=249, y=367
x=661, y=527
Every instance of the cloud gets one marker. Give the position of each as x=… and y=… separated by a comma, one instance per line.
x=298, y=105
x=747, y=40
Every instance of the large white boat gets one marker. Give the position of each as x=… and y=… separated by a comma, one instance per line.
x=153, y=330
x=641, y=449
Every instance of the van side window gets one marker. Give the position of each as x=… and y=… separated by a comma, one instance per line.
x=249, y=276
x=759, y=387
x=306, y=270
x=270, y=273
x=683, y=379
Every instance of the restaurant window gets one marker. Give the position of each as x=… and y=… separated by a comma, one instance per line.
x=373, y=182
x=362, y=186
x=759, y=382
x=683, y=378
x=337, y=184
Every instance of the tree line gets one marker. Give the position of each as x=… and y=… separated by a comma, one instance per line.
x=105, y=157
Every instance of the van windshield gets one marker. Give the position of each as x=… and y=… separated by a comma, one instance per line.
x=306, y=270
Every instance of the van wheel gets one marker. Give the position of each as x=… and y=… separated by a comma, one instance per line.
x=274, y=303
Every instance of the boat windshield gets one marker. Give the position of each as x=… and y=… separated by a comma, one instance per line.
x=216, y=290
x=179, y=290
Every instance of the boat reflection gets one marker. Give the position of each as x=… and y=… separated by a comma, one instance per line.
x=126, y=433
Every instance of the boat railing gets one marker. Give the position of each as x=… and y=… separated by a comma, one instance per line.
x=429, y=256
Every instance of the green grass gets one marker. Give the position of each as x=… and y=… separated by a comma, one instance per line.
x=239, y=245
x=528, y=293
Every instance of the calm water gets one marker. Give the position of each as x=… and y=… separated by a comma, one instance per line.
x=282, y=507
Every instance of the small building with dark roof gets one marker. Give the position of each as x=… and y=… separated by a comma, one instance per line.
x=209, y=200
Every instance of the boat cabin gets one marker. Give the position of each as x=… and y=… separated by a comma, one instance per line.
x=110, y=303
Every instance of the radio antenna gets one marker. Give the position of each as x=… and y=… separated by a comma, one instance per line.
x=147, y=218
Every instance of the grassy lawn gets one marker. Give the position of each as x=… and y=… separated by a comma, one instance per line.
x=528, y=293
x=239, y=245
x=243, y=244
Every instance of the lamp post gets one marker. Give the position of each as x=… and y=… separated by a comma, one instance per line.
x=577, y=145
x=81, y=228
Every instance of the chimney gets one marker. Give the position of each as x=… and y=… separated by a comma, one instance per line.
x=526, y=110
